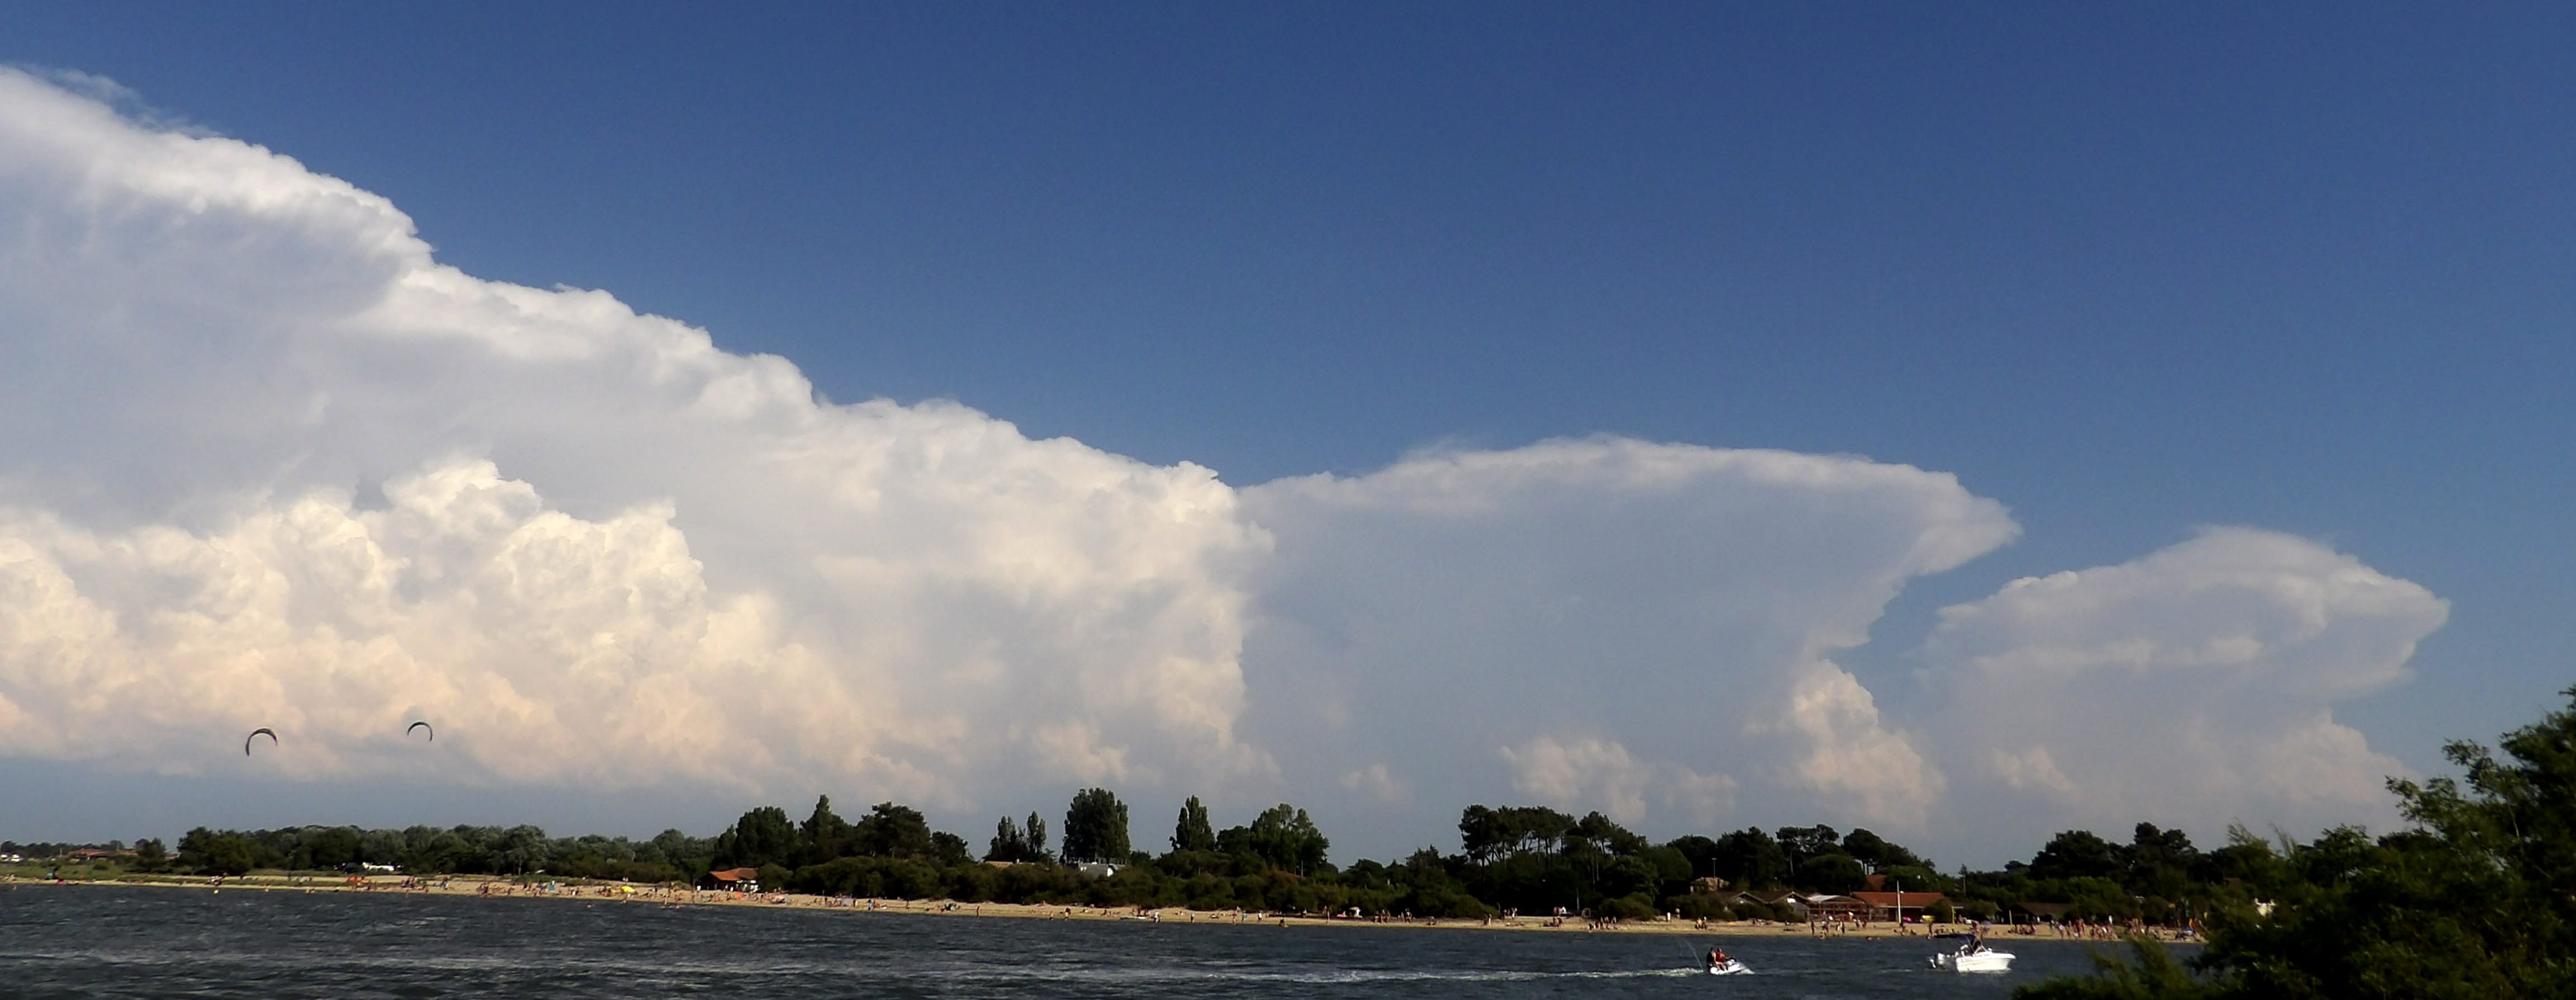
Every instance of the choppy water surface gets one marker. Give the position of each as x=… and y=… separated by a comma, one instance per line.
x=90, y=941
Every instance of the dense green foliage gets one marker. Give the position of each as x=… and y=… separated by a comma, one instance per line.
x=1014, y=843
x=1010, y=844
x=1529, y=859
x=672, y=856
x=2476, y=899
x=1193, y=832
x=1095, y=827
x=1281, y=837
x=2158, y=876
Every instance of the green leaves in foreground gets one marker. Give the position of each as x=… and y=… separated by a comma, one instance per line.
x=2478, y=899
x=2151, y=972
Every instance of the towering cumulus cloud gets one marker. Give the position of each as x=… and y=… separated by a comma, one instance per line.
x=2196, y=682
x=1641, y=629
x=265, y=461
x=269, y=463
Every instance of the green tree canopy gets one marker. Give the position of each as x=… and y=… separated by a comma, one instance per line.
x=2078, y=854
x=1835, y=872
x=1597, y=832
x=893, y=831
x=1879, y=853
x=1193, y=832
x=949, y=849
x=2161, y=862
x=1750, y=859
x=1699, y=852
x=824, y=830
x=2476, y=899
x=762, y=836
x=1009, y=844
x=225, y=853
x=331, y=848
x=1284, y=838
x=1095, y=827
x=1803, y=842
x=1490, y=834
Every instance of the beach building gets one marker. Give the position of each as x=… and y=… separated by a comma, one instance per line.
x=1827, y=906
x=1887, y=905
x=2040, y=912
x=1795, y=902
x=742, y=879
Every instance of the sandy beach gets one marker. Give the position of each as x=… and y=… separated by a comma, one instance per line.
x=624, y=894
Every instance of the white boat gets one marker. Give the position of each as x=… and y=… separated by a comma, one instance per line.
x=1731, y=968
x=1974, y=958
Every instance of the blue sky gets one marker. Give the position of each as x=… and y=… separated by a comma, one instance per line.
x=2130, y=270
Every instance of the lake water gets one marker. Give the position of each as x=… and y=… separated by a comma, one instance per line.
x=97, y=941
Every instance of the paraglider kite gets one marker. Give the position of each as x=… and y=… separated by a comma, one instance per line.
x=255, y=734
x=433, y=733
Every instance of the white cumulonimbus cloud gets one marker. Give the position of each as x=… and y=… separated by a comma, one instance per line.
x=1601, y=624
x=268, y=463
x=2196, y=683
x=271, y=464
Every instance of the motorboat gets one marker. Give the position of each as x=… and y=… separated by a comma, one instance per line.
x=1730, y=967
x=1974, y=956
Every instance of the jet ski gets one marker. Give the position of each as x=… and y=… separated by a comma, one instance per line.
x=1731, y=967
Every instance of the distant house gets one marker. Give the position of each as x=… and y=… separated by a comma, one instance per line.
x=746, y=879
x=1711, y=886
x=1887, y=905
x=2048, y=912
x=1097, y=869
x=1827, y=906
x=1791, y=900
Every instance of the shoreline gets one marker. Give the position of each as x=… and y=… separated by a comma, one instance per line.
x=492, y=887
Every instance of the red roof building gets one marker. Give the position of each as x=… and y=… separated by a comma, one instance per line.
x=1884, y=905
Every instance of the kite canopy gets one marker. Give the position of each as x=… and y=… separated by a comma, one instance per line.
x=254, y=736
x=433, y=733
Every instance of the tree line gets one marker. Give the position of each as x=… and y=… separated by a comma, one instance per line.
x=1528, y=859
x=462, y=850
x=2475, y=897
